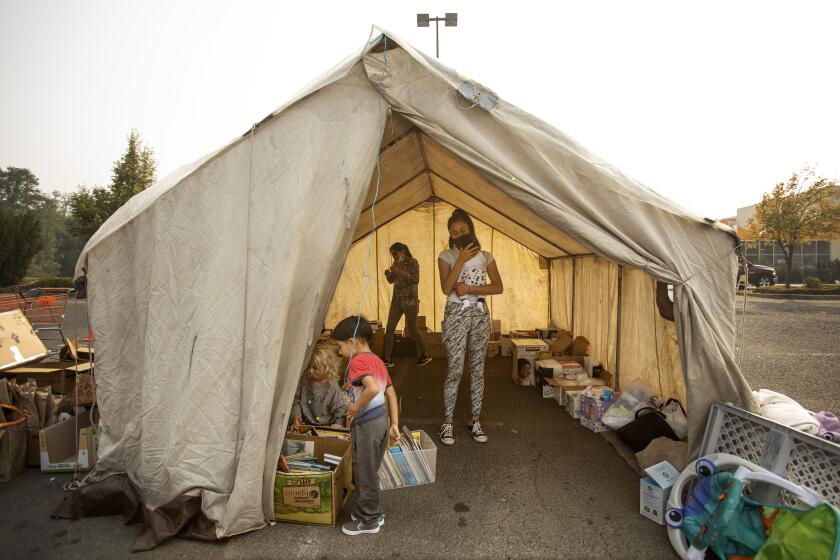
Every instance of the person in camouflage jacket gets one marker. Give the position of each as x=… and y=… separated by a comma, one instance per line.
x=404, y=274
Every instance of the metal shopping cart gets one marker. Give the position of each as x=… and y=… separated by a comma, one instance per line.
x=42, y=307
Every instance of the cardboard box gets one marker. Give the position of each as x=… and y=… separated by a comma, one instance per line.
x=521, y=334
x=377, y=345
x=525, y=350
x=548, y=391
x=507, y=347
x=551, y=387
x=655, y=489
x=546, y=334
x=434, y=345
x=549, y=366
x=562, y=390
x=65, y=450
x=85, y=389
x=18, y=342
x=315, y=498
x=60, y=375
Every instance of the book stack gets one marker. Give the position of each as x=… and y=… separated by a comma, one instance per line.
x=406, y=464
x=299, y=457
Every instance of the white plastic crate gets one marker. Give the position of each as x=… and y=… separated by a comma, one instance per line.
x=801, y=458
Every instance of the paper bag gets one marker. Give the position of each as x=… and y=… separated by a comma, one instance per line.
x=561, y=344
x=12, y=440
x=580, y=346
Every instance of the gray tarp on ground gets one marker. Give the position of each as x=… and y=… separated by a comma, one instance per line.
x=256, y=234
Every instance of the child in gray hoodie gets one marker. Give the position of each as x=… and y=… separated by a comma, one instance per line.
x=318, y=400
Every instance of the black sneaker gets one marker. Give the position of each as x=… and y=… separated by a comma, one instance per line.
x=423, y=360
x=476, y=432
x=359, y=527
x=447, y=434
x=388, y=363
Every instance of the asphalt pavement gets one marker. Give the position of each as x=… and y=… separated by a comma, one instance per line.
x=542, y=487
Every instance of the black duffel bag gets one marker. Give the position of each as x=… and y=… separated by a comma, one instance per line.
x=648, y=425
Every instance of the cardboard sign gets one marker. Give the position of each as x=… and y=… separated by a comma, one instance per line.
x=18, y=342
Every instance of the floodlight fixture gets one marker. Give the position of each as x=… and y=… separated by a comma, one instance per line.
x=451, y=20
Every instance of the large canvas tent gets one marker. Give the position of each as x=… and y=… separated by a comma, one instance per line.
x=208, y=290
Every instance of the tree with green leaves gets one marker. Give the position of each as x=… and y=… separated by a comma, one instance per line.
x=61, y=247
x=21, y=202
x=134, y=172
x=21, y=234
x=89, y=208
x=804, y=208
x=19, y=189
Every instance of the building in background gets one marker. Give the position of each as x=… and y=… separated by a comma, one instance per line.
x=813, y=258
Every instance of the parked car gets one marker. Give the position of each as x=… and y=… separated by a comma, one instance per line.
x=759, y=275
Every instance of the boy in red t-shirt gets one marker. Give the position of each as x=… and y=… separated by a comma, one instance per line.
x=370, y=429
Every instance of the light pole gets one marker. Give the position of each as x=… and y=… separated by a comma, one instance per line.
x=451, y=20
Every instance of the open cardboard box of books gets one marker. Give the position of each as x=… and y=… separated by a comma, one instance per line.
x=314, y=497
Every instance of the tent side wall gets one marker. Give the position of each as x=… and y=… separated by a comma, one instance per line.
x=615, y=308
x=205, y=304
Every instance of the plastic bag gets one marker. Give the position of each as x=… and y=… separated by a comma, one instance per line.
x=623, y=410
x=675, y=416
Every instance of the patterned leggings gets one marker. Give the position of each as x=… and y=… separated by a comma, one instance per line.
x=459, y=327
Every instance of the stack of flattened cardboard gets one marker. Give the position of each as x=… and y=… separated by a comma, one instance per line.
x=46, y=389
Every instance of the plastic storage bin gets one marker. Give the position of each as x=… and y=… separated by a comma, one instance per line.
x=401, y=469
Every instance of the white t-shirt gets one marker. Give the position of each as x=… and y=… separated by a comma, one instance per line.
x=474, y=272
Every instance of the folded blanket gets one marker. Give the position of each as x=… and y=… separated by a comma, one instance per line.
x=829, y=426
x=786, y=411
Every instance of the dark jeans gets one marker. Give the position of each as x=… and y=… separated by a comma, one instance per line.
x=370, y=440
x=394, y=315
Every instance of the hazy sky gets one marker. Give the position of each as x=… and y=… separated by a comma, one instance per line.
x=709, y=103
